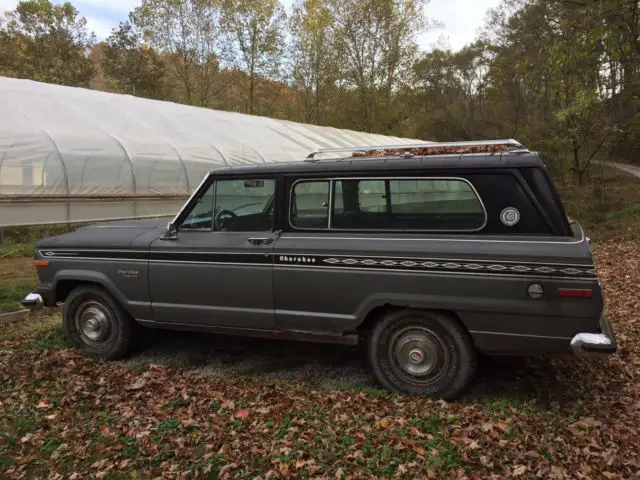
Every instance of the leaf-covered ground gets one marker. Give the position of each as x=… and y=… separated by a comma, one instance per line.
x=215, y=414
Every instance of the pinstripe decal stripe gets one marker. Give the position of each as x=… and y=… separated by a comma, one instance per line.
x=265, y=258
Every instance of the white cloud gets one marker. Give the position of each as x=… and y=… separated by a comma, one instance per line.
x=101, y=16
x=462, y=19
x=123, y=6
x=100, y=27
x=7, y=5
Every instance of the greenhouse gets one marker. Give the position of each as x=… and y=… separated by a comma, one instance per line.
x=71, y=154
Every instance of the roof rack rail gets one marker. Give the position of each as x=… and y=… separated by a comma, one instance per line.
x=425, y=148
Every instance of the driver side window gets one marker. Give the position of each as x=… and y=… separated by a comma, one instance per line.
x=244, y=205
x=201, y=216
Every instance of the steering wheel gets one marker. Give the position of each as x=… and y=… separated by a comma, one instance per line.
x=223, y=217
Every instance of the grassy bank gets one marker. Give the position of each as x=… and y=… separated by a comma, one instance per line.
x=17, y=279
x=608, y=206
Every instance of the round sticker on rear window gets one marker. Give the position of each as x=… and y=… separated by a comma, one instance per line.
x=510, y=216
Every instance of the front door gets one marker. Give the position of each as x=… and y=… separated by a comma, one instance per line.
x=218, y=271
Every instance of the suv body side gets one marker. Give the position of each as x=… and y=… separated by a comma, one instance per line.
x=330, y=280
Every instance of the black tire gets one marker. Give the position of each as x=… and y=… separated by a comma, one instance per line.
x=96, y=323
x=415, y=352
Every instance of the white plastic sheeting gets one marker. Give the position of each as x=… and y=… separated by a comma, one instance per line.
x=72, y=154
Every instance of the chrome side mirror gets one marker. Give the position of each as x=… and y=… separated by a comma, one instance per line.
x=171, y=232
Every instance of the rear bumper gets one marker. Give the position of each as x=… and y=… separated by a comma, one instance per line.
x=589, y=344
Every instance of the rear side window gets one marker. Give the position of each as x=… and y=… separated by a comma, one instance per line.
x=400, y=204
x=435, y=204
x=310, y=204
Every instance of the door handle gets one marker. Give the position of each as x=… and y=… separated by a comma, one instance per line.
x=260, y=240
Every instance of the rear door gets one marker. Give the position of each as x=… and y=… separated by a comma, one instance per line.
x=219, y=269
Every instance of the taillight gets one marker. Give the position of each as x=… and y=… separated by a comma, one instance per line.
x=575, y=292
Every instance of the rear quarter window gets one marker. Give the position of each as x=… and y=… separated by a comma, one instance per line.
x=503, y=191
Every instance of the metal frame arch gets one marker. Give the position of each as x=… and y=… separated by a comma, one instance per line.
x=184, y=167
x=118, y=142
x=62, y=162
x=50, y=139
x=190, y=115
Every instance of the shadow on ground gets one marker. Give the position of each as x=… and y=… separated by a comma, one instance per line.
x=550, y=381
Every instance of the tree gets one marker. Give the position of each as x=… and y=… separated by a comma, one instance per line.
x=188, y=33
x=376, y=42
x=132, y=67
x=256, y=28
x=48, y=43
x=314, y=67
x=450, y=90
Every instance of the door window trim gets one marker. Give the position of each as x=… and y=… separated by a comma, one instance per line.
x=332, y=181
x=207, y=182
x=187, y=207
x=330, y=203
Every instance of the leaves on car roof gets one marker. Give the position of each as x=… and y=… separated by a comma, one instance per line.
x=435, y=150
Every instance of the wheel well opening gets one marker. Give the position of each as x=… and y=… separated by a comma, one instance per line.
x=64, y=288
x=372, y=318
x=378, y=312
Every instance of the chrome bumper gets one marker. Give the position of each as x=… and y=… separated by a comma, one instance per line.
x=588, y=344
x=33, y=301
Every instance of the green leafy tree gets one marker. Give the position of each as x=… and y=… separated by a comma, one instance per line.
x=131, y=66
x=256, y=29
x=376, y=43
x=313, y=65
x=188, y=34
x=450, y=90
x=46, y=42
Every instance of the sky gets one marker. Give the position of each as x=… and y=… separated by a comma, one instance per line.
x=461, y=18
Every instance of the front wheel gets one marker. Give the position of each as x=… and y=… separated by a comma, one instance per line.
x=97, y=324
x=422, y=353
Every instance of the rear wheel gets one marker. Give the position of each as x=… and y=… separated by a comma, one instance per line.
x=422, y=353
x=97, y=324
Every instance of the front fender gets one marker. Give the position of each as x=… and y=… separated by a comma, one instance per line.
x=89, y=276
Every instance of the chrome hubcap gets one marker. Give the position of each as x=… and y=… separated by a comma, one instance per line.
x=416, y=356
x=93, y=322
x=418, y=352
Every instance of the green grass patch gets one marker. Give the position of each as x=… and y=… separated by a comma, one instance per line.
x=6, y=462
x=51, y=445
x=10, y=296
x=29, y=235
x=429, y=423
x=130, y=447
x=10, y=249
x=625, y=213
x=139, y=364
x=18, y=423
x=169, y=424
x=607, y=205
x=50, y=339
x=503, y=405
x=176, y=402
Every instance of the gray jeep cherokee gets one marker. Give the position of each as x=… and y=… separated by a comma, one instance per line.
x=429, y=253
